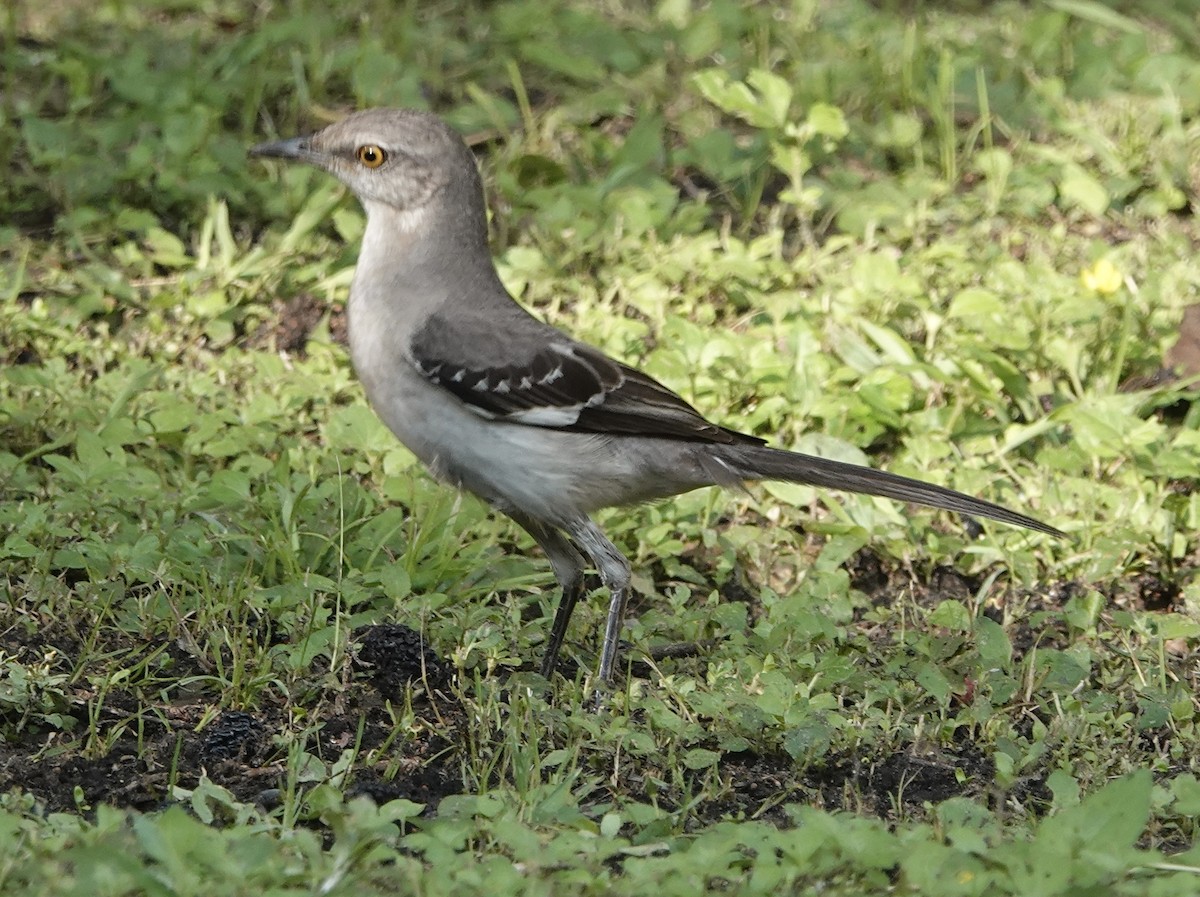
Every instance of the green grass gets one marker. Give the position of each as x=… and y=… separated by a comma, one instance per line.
x=937, y=238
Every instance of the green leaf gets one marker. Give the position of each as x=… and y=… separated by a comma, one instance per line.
x=1173, y=626
x=775, y=96
x=1080, y=188
x=829, y=121
x=1185, y=790
x=931, y=678
x=1112, y=818
x=952, y=615
x=992, y=643
x=736, y=98
x=700, y=758
x=1097, y=14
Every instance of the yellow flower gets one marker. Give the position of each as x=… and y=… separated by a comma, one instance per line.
x=1102, y=277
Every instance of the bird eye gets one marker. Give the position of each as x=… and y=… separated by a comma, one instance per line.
x=371, y=155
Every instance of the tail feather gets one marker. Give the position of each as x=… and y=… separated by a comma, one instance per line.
x=761, y=463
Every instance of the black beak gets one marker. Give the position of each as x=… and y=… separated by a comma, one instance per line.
x=296, y=148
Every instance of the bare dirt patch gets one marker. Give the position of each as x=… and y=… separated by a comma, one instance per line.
x=145, y=748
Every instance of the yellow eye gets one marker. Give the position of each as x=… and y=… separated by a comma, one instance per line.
x=371, y=155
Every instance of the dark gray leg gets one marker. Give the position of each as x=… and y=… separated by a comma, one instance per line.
x=615, y=572
x=568, y=566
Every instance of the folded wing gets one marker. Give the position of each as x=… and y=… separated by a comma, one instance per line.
x=530, y=373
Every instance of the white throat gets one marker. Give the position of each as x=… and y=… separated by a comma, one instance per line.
x=386, y=225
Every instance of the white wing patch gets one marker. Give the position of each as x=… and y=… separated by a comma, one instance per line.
x=546, y=416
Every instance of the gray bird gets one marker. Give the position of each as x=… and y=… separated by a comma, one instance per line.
x=494, y=401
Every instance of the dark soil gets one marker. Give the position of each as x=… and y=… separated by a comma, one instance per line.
x=145, y=747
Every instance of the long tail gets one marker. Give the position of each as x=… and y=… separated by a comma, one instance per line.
x=762, y=463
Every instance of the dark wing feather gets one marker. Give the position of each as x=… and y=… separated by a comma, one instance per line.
x=641, y=405
x=561, y=384
x=551, y=379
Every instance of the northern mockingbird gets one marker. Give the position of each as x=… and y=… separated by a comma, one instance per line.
x=492, y=400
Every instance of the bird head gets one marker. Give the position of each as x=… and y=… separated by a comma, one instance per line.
x=400, y=158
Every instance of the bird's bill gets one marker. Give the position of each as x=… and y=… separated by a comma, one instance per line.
x=296, y=148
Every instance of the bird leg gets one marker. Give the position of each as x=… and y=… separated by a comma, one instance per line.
x=612, y=631
x=616, y=575
x=572, y=591
x=568, y=566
